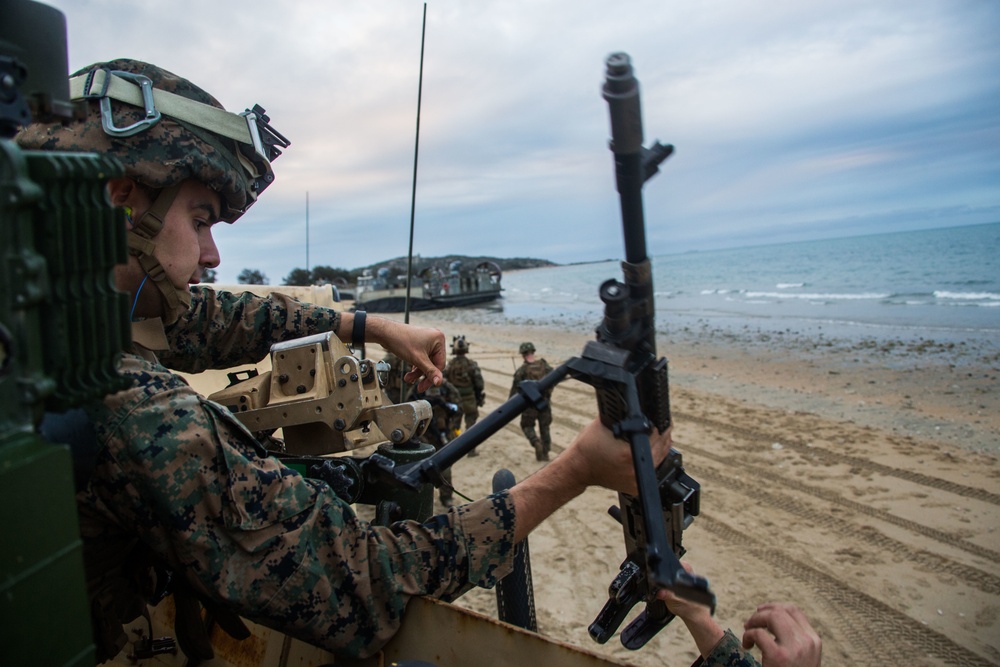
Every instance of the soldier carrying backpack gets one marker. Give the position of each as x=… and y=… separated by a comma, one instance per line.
x=464, y=373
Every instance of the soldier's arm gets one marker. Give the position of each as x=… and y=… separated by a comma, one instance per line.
x=422, y=347
x=517, y=380
x=222, y=329
x=594, y=458
x=477, y=379
x=280, y=549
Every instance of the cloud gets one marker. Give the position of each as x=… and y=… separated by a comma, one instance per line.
x=788, y=117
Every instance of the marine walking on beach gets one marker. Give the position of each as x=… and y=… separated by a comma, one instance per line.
x=393, y=388
x=464, y=373
x=534, y=369
x=444, y=426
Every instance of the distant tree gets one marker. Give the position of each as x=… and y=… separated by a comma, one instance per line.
x=328, y=275
x=299, y=277
x=252, y=277
x=208, y=276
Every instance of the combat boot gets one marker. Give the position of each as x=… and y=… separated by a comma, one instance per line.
x=539, y=452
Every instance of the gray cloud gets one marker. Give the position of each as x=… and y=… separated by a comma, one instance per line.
x=791, y=120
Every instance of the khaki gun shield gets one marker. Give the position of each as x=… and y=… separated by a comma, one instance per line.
x=324, y=399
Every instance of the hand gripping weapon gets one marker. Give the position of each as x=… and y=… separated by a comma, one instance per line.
x=632, y=396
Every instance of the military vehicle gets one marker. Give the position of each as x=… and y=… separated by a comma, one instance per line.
x=430, y=289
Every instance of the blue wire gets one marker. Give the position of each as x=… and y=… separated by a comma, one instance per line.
x=136, y=300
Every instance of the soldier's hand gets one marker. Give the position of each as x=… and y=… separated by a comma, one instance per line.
x=784, y=635
x=481, y=400
x=603, y=460
x=423, y=348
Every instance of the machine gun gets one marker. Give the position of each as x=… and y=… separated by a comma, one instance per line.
x=632, y=396
x=327, y=401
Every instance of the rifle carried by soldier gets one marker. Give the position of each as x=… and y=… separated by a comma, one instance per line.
x=631, y=384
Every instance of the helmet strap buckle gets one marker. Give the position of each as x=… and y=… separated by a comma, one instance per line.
x=152, y=115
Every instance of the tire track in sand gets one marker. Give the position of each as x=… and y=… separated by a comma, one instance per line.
x=867, y=621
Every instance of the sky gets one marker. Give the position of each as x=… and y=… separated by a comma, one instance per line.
x=791, y=120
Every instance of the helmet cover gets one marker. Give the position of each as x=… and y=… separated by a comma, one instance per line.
x=166, y=153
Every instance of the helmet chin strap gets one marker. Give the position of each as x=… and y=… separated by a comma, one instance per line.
x=140, y=244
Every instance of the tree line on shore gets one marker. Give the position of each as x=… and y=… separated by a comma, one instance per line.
x=321, y=275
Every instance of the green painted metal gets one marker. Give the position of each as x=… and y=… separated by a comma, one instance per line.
x=62, y=326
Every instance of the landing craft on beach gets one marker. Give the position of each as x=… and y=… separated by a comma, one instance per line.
x=430, y=289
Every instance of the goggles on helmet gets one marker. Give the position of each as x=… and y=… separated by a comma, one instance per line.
x=259, y=143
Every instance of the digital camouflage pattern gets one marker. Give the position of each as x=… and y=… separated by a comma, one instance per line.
x=394, y=378
x=541, y=442
x=165, y=154
x=179, y=478
x=464, y=373
x=729, y=652
x=223, y=329
x=447, y=419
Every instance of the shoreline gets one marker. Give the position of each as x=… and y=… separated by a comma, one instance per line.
x=859, y=483
x=922, y=388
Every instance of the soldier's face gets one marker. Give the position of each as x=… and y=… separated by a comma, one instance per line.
x=185, y=246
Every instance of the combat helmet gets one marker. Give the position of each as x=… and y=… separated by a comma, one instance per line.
x=459, y=345
x=165, y=130
x=526, y=348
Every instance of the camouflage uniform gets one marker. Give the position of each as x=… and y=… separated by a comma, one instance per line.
x=447, y=419
x=394, y=379
x=729, y=652
x=535, y=370
x=177, y=476
x=464, y=373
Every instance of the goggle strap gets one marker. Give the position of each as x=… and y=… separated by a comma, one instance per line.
x=206, y=116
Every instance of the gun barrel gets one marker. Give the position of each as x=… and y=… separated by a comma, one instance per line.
x=621, y=90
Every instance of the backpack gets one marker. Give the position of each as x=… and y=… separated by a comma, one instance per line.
x=536, y=370
x=458, y=372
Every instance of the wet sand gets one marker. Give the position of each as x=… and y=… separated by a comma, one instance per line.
x=858, y=479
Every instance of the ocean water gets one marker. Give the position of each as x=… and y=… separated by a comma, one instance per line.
x=940, y=284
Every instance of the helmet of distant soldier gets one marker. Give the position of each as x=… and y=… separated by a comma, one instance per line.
x=459, y=345
x=526, y=348
x=165, y=130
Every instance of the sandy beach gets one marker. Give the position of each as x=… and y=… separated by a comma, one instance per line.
x=859, y=481
x=856, y=478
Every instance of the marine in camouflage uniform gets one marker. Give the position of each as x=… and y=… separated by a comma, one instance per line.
x=394, y=379
x=534, y=369
x=464, y=373
x=447, y=418
x=177, y=482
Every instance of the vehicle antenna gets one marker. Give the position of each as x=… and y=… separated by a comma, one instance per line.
x=416, y=149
